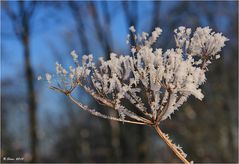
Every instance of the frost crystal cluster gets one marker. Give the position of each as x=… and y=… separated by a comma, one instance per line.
x=148, y=85
x=157, y=83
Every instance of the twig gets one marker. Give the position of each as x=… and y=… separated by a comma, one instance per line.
x=171, y=145
x=95, y=113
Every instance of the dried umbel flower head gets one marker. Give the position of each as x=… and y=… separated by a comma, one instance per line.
x=157, y=83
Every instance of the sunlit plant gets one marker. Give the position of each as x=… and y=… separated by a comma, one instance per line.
x=157, y=83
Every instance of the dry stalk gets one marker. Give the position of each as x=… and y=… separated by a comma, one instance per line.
x=167, y=79
x=171, y=145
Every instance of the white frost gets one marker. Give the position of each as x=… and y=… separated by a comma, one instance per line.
x=166, y=79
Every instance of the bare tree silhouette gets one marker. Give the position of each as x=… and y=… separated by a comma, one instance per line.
x=21, y=22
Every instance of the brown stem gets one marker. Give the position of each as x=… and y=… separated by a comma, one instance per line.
x=98, y=114
x=171, y=145
x=164, y=110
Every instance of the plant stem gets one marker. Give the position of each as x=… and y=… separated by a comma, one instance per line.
x=171, y=145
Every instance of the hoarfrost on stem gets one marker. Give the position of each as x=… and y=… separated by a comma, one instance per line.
x=156, y=83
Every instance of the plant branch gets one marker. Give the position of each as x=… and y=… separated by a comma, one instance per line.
x=98, y=114
x=164, y=110
x=171, y=145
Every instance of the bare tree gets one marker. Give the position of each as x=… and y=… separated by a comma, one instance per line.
x=155, y=15
x=130, y=10
x=21, y=22
x=103, y=40
x=76, y=10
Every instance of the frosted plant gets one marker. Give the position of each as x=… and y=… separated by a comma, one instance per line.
x=157, y=83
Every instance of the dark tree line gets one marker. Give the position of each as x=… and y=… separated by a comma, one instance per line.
x=21, y=23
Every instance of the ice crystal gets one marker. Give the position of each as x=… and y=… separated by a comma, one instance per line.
x=157, y=83
x=48, y=77
x=39, y=77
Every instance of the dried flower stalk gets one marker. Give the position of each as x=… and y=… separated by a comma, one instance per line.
x=156, y=83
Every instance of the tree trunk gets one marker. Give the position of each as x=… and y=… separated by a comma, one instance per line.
x=31, y=98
